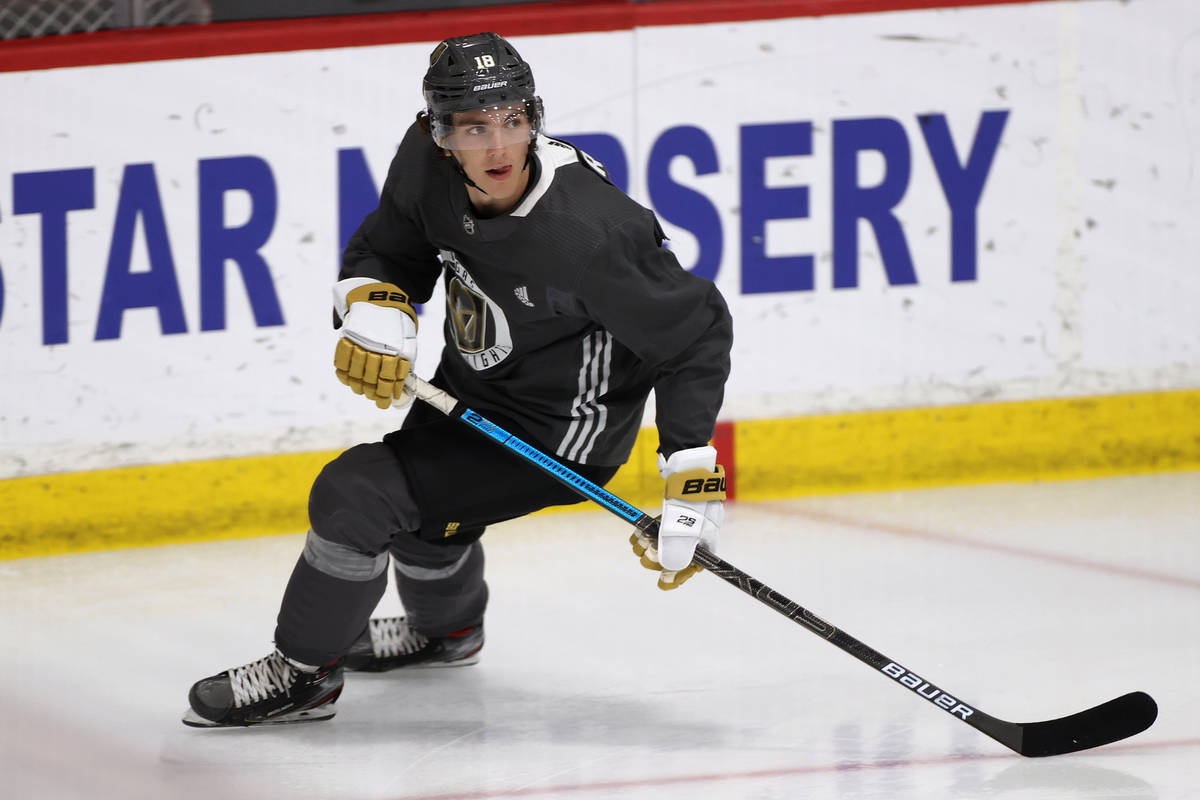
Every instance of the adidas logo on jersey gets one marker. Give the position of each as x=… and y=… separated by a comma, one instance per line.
x=522, y=293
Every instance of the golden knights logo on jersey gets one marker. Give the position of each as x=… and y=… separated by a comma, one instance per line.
x=480, y=328
x=468, y=314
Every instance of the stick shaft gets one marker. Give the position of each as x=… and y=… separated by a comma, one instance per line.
x=705, y=558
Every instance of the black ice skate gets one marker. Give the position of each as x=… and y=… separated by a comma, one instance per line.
x=389, y=643
x=270, y=691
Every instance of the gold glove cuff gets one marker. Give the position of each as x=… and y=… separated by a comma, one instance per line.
x=388, y=295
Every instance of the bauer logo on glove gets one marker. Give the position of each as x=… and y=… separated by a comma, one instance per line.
x=381, y=297
x=705, y=486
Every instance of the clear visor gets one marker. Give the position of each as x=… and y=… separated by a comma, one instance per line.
x=484, y=129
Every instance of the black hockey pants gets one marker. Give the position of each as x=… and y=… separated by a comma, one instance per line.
x=423, y=496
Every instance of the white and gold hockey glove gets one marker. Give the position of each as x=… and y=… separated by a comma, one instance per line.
x=378, y=340
x=693, y=510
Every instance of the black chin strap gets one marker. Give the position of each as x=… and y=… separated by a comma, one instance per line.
x=467, y=178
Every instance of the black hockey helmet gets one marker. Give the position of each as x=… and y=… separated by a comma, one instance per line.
x=478, y=72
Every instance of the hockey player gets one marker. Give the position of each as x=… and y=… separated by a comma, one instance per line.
x=563, y=312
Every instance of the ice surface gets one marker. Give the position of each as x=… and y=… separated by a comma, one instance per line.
x=1028, y=601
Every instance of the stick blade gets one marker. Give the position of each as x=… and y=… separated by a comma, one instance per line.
x=1106, y=723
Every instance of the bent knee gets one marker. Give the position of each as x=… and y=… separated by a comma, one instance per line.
x=362, y=498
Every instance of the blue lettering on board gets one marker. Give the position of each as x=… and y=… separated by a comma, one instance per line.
x=52, y=194
x=684, y=206
x=219, y=244
x=760, y=203
x=962, y=170
x=357, y=194
x=157, y=287
x=963, y=183
x=875, y=204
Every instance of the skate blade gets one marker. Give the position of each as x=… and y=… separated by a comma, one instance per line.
x=194, y=720
x=462, y=662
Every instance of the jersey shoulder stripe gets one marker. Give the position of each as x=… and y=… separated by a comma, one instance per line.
x=553, y=155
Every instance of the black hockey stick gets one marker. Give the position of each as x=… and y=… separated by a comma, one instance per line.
x=1106, y=723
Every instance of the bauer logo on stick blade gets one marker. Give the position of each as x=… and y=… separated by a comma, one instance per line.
x=927, y=690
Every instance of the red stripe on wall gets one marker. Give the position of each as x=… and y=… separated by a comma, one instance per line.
x=692, y=12
x=723, y=440
x=317, y=33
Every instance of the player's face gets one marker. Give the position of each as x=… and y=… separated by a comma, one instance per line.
x=491, y=145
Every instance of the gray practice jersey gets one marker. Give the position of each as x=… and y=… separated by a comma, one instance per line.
x=562, y=314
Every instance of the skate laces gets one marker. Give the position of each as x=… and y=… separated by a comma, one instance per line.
x=261, y=679
x=392, y=636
